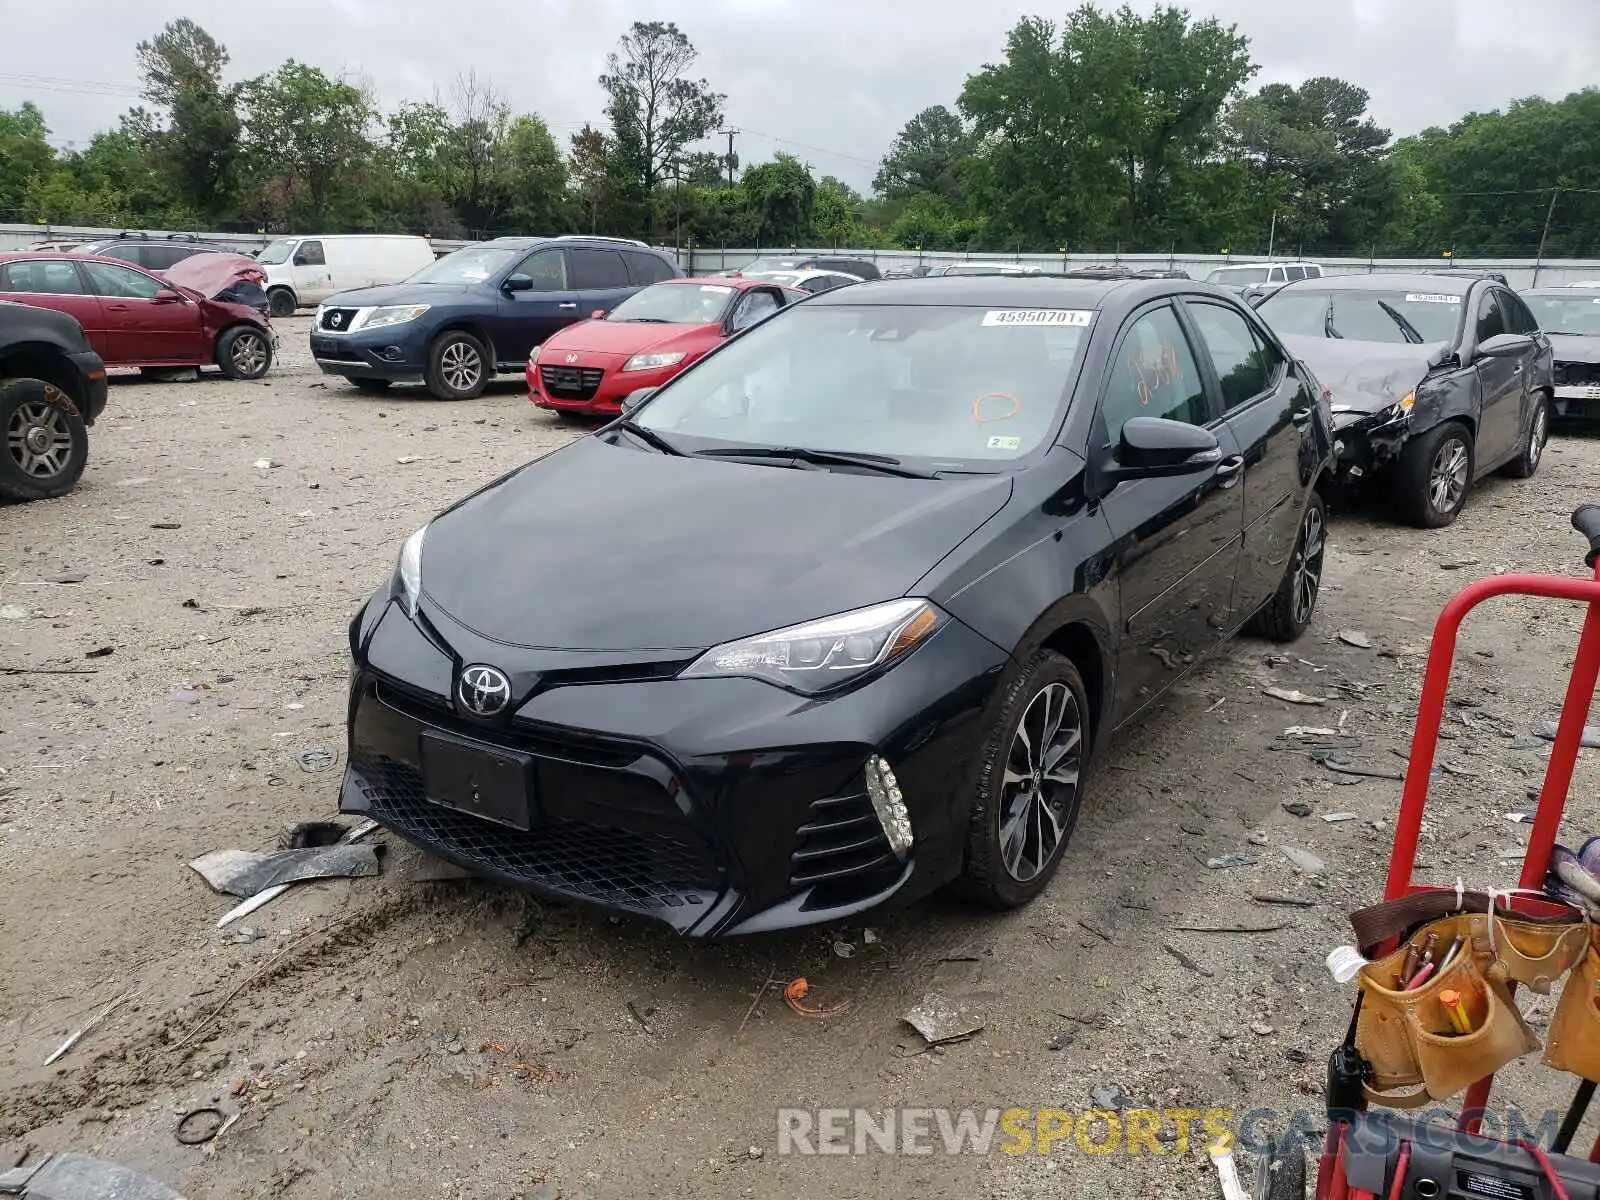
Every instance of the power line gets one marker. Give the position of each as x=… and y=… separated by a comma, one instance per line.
x=50, y=83
x=814, y=149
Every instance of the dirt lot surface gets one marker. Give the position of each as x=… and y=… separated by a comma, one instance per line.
x=404, y=1038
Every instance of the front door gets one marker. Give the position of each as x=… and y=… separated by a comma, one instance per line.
x=524, y=319
x=1269, y=410
x=56, y=283
x=1500, y=423
x=313, y=278
x=142, y=328
x=1176, y=540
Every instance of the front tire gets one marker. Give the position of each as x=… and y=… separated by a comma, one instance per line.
x=1029, y=784
x=281, y=302
x=45, y=446
x=1288, y=614
x=1433, y=475
x=458, y=366
x=244, y=352
x=1526, y=463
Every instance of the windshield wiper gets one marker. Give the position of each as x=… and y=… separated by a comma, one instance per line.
x=881, y=463
x=642, y=320
x=1406, y=327
x=649, y=437
x=1328, y=330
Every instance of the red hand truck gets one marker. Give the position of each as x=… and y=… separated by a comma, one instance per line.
x=1332, y=1182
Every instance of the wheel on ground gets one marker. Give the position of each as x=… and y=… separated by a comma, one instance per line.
x=1028, y=784
x=1526, y=463
x=46, y=443
x=369, y=385
x=281, y=302
x=1281, y=1171
x=1289, y=612
x=1433, y=474
x=244, y=352
x=458, y=366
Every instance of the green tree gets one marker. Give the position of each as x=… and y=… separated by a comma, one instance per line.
x=656, y=110
x=25, y=156
x=181, y=70
x=533, y=178
x=309, y=140
x=781, y=195
x=925, y=157
x=837, y=215
x=931, y=222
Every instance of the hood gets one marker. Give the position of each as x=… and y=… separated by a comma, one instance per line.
x=403, y=293
x=601, y=547
x=1365, y=376
x=618, y=337
x=209, y=273
x=1575, y=348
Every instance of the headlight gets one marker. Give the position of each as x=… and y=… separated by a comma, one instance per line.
x=409, y=572
x=649, y=362
x=819, y=655
x=393, y=314
x=533, y=355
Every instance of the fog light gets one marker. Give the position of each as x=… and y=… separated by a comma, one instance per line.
x=884, y=791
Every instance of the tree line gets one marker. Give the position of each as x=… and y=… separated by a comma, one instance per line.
x=1109, y=130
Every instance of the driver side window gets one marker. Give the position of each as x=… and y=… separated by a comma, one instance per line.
x=1491, y=320
x=1153, y=374
x=121, y=282
x=547, y=269
x=755, y=306
x=310, y=255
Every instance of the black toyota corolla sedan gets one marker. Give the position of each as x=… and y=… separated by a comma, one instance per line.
x=846, y=611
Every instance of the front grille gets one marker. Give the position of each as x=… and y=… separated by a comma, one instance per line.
x=1575, y=374
x=619, y=867
x=841, y=838
x=571, y=383
x=337, y=318
x=327, y=348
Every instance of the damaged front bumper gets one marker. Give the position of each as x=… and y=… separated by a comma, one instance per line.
x=1368, y=442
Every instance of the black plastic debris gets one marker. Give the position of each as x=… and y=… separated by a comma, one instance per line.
x=243, y=873
x=79, y=1177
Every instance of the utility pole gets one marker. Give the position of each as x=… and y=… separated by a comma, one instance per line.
x=729, y=134
x=1272, y=236
x=1538, y=259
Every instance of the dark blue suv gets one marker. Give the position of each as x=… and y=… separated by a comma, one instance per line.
x=479, y=310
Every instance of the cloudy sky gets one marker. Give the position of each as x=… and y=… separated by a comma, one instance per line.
x=829, y=80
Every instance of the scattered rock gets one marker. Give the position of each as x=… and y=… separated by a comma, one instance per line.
x=843, y=949
x=266, y=464
x=1108, y=1097
x=1354, y=637
x=1591, y=733
x=1231, y=862
x=184, y=696
x=1303, y=860
x=167, y=525
x=1297, y=808
x=13, y=612
x=1262, y=1029
x=1293, y=697
x=65, y=578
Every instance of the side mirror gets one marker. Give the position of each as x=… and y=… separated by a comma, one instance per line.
x=597, y=314
x=518, y=283
x=633, y=399
x=1157, y=448
x=1505, y=345
x=169, y=296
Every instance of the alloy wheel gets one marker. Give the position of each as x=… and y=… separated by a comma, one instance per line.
x=39, y=440
x=1447, y=478
x=1308, y=565
x=1040, y=786
x=249, y=354
x=1540, y=434
x=460, y=366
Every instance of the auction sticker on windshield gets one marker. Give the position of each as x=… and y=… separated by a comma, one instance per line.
x=1430, y=298
x=1075, y=317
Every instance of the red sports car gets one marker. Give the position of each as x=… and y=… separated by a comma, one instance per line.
x=646, y=340
x=136, y=319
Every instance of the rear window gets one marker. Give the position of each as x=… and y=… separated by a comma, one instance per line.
x=1401, y=316
x=647, y=268
x=1567, y=314
x=1238, y=276
x=595, y=270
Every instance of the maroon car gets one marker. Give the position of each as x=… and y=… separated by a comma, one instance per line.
x=136, y=319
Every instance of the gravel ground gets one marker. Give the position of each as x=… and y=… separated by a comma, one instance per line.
x=413, y=1037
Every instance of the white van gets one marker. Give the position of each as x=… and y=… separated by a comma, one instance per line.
x=305, y=271
x=1264, y=274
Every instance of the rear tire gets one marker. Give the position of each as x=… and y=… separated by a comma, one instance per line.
x=1288, y=614
x=44, y=445
x=372, y=387
x=1433, y=475
x=458, y=366
x=1526, y=463
x=244, y=352
x=281, y=302
x=1028, y=784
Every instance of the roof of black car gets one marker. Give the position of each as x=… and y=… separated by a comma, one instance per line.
x=1009, y=291
x=1389, y=281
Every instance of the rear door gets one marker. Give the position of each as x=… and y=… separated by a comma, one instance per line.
x=1176, y=540
x=313, y=279
x=1269, y=411
x=141, y=328
x=600, y=277
x=56, y=283
x=1501, y=380
x=525, y=319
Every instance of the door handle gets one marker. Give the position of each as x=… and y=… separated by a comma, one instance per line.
x=1228, y=470
x=1301, y=417
x=573, y=305
x=117, y=308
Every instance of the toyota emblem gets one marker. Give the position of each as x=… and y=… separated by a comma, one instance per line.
x=571, y=358
x=483, y=691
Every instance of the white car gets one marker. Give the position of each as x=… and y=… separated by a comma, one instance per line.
x=806, y=281
x=304, y=271
x=1263, y=274
x=984, y=268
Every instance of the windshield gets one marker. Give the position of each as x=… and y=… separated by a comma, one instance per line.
x=1362, y=316
x=1567, y=314
x=277, y=252
x=1238, y=276
x=763, y=265
x=471, y=265
x=676, y=304
x=956, y=385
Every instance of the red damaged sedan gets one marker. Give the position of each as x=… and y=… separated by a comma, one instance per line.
x=646, y=340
